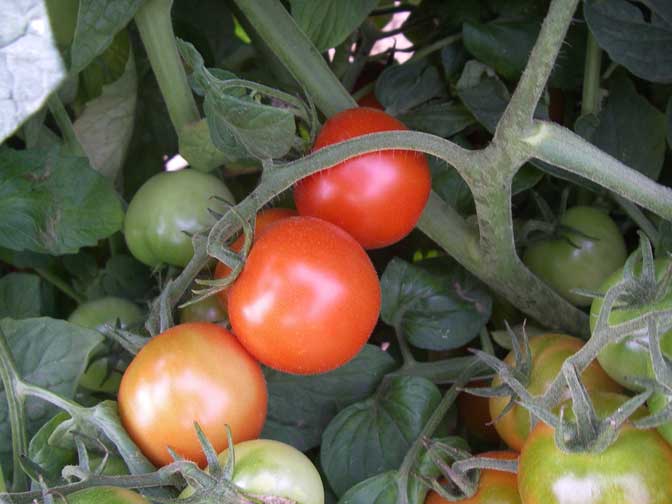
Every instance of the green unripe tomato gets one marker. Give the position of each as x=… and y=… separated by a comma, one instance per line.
x=168, y=206
x=656, y=403
x=596, y=250
x=94, y=315
x=209, y=309
x=106, y=495
x=265, y=467
x=630, y=357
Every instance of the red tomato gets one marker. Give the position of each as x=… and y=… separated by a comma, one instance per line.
x=376, y=197
x=494, y=487
x=307, y=299
x=264, y=219
x=196, y=372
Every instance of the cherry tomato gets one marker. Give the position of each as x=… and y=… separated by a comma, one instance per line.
x=196, y=372
x=307, y=299
x=376, y=197
x=634, y=470
x=105, y=495
x=494, y=487
x=94, y=315
x=166, y=209
x=270, y=468
x=209, y=309
x=263, y=220
x=549, y=351
x=630, y=357
x=580, y=259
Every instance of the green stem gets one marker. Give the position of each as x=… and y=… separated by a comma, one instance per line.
x=3, y=486
x=299, y=55
x=17, y=422
x=435, y=46
x=639, y=218
x=406, y=354
x=520, y=111
x=156, y=30
x=563, y=148
x=65, y=125
x=446, y=402
x=590, y=103
x=60, y=284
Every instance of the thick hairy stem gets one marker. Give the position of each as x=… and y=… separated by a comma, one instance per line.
x=298, y=54
x=567, y=150
x=156, y=30
x=518, y=115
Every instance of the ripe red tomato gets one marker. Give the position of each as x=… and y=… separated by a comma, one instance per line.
x=196, y=372
x=376, y=197
x=494, y=487
x=307, y=299
x=549, y=351
x=635, y=469
x=264, y=219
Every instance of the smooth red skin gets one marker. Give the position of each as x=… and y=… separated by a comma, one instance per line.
x=263, y=220
x=376, y=197
x=195, y=372
x=494, y=487
x=307, y=299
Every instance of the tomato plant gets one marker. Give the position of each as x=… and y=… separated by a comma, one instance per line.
x=630, y=357
x=307, y=299
x=494, y=487
x=589, y=247
x=268, y=468
x=635, y=468
x=209, y=309
x=195, y=372
x=548, y=352
x=263, y=220
x=474, y=415
x=106, y=495
x=166, y=210
x=377, y=197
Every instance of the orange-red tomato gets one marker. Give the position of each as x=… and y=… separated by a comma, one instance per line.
x=376, y=197
x=549, y=351
x=307, y=299
x=494, y=487
x=264, y=219
x=195, y=372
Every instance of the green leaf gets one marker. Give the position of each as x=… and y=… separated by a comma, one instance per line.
x=486, y=96
x=434, y=19
x=436, y=304
x=30, y=63
x=240, y=127
x=505, y=45
x=664, y=244
x=97, y=24
x=48, y=353
x=373, y=436
x=641, y=46
x=123, y=277
x=329, y=22
x=629, y=128
x=51, y=458
x=379, y=489
x=442, y=119
x=402, y=87
x=300, y=407
x=265, y=132
x=20, y=296
x=54, y=204
x=526, y=178
x=105, y=127
x=452, y=188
